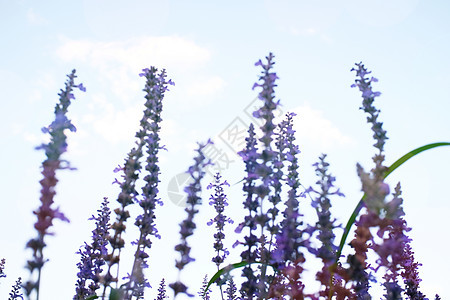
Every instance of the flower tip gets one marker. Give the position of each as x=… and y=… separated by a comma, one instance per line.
x=81, y=87
x=255, y=86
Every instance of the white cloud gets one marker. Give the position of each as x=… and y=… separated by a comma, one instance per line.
x=206, y=87
x=35, y=19
x=118, y=126
x=136, y=53
x=119, y=62
x=312, y=127
x=112, y=123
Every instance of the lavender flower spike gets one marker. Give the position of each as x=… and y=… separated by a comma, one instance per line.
x=46, y=213
x=155, y=88
x=372, y=183
x=187, y=226
x=15, y=293
x=204, y=292
x=251, y=204
x=231, y=290
x=2, y=267
x=379, y=134
x=325, y=226
x=219, y=201
x=162, y=291
x=289, y=239
x=93, y=255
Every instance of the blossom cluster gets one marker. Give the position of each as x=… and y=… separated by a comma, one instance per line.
x=274, y=241
x=46, y=213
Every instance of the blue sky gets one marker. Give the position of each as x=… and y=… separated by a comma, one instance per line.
x=209, y=50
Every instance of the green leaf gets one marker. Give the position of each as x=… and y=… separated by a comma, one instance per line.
x=231, y=267
x=116, y=294
x=92, y=297
x=393, y=167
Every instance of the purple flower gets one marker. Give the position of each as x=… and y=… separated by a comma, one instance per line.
x=375, y=189
x=16, y=290
x=231, y=290
x=289, y=239
x=365, y=86
x=46, y=213
x=180, y=288
x=325, y=224
x=196, y=171
x=162, y=291
x=128, y=193
x=204, y=292
x=2, y=267
x=267, y=168
x=359, y=271
x=93, y=255
x=395, y=252
x=81, y=87
x=393, y=291
x=219, y=201
x=410, y=274
x=155, y=88
x=147, y=145
x=251, y=204
x=263, y=181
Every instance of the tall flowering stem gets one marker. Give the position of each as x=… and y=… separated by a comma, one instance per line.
x=289, y=239
x=197, y=172
x=381, y=214
x=268, y=161
x=395, y=253
x=324, y=228
x=127, y=194
x=287, y=255
x=219, y=201
x=364, y=84
x=16, y=292
x=204, y=290
x=162, y=290
x=267, y=156
x=93, y=255
x=231, y=290
x=147, y=136
x=372, y=185
x=2, y=268
x=130, y=169
x=155, y=88
x=46, y=213
x=251, y=204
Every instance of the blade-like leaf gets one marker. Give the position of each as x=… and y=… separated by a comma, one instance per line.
x=231, y=267
x=394, y=166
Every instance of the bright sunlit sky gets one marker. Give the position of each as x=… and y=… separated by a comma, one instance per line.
x=209, y=50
